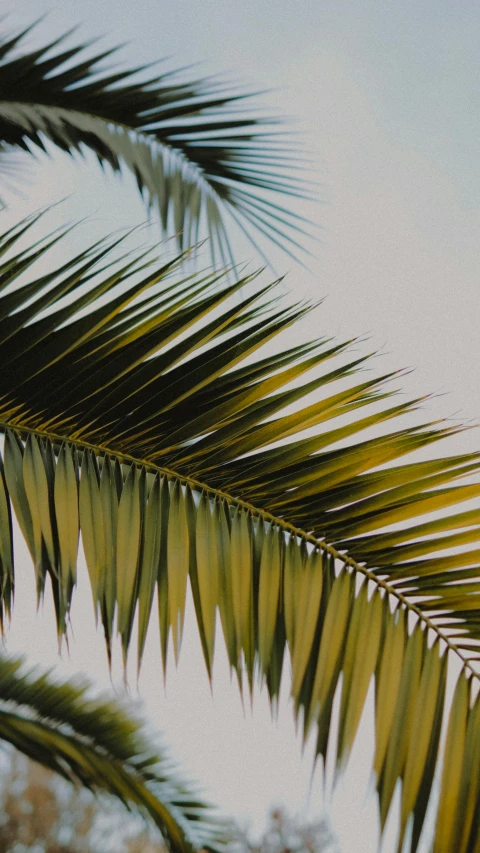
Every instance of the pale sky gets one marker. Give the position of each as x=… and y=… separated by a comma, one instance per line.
x=387, y=95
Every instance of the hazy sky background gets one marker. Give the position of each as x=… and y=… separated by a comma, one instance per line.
x=388, y=97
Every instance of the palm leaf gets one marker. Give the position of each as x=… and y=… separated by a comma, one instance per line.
x=95, y=743
x=138, y=414
x=197, y=153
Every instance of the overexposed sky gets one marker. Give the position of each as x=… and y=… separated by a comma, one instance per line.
x=387, y=96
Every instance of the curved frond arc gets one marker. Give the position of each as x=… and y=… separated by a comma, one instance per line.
x=95, y=743
x=197, y=150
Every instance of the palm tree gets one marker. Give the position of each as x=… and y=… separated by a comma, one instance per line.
x=198, y=155
x=318, y=547
x=95, y=743
x=179, y=454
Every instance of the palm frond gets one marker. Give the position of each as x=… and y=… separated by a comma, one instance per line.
x=94, y=742
x=197, y=153
x=138, y=414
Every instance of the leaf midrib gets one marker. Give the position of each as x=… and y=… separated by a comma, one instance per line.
x=143, y=135
x=289, y=527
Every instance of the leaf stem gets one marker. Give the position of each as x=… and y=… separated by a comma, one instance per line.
x=199, y=486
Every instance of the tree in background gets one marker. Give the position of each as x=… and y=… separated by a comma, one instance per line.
x=287, y=834
x=94, y=743
x=41, y=814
